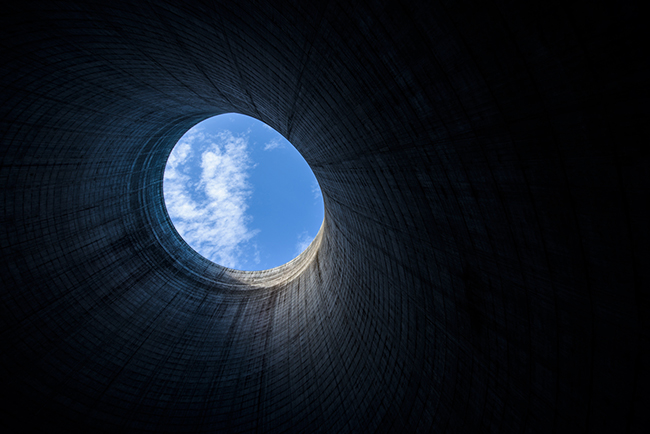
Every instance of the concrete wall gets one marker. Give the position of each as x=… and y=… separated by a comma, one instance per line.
x=483, y=266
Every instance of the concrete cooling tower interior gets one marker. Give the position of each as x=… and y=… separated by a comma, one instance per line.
x=483, y=262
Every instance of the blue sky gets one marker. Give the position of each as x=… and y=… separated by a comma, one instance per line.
x=240, y=194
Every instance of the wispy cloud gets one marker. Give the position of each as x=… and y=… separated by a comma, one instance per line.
x=315, y=189
x=210, y=214
x=304, y=240
x=256, y=257
x=273, y=144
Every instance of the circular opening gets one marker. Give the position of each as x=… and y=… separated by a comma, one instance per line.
x=240, y=194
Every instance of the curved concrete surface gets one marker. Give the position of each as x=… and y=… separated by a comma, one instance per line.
x=483, y=265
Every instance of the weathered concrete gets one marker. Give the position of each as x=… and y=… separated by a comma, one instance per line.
x=483, y=265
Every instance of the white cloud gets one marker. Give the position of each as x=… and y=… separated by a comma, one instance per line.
x=218, y=226
x=256, y=257
x=315, y=189
x=273, y=144
x=304, y=240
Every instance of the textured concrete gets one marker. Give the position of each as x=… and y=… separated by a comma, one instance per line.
x=483, y=265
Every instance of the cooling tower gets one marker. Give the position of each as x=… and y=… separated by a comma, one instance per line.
x=483, y=261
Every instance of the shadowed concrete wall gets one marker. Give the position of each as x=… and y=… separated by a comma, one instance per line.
x=483, y=262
